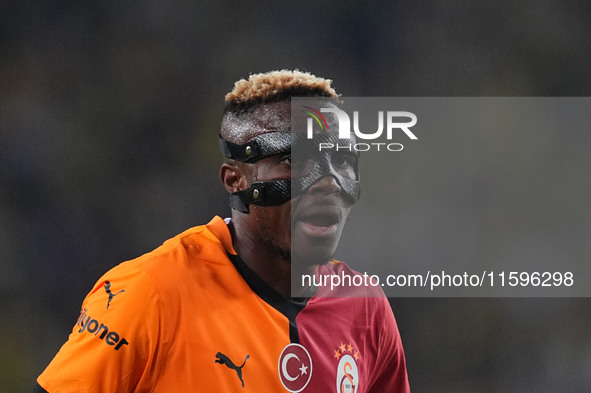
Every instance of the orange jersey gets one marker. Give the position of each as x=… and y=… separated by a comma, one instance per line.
x=190, y=316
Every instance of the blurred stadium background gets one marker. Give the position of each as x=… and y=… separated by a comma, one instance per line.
x=108, y=123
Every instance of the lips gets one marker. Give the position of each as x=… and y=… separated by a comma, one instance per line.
x=319, y=220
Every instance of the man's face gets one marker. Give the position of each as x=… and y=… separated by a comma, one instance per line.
x=307, y=229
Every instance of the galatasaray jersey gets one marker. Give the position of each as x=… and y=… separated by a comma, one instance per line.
x=191, y=316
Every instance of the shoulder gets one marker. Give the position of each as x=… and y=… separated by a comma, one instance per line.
x=135, y=298
x=160, y=278
x=212, y=238
x=178, y=256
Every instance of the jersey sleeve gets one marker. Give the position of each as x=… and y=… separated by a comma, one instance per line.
x=113, y=344
x=390, y=372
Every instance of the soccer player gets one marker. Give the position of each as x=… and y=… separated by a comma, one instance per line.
x=211, y=309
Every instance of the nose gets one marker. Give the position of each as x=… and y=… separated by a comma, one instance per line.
x=326, y=185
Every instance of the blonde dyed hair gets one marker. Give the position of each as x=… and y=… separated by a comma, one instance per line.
x=277, y=86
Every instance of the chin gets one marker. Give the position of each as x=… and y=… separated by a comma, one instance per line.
x=312, y=256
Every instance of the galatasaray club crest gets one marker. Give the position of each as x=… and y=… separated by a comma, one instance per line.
x=295, y=367
x=347, y=371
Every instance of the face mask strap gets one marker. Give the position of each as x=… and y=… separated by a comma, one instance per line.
x=277, y=192
x=258, y=147
x=269, y=193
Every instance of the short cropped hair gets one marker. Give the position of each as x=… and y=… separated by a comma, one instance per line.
x=276, y=86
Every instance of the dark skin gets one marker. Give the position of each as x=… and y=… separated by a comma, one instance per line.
x=264, y=237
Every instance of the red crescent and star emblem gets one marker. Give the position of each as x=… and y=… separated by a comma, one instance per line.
x=295, y=367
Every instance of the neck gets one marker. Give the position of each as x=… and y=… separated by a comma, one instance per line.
x=271, y=266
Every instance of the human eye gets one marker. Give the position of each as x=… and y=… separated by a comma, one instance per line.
x=344, y=160
x=298, y=164
x=286, y=159
x=294, y=160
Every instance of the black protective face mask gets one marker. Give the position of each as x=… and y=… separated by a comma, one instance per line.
x=309, y=165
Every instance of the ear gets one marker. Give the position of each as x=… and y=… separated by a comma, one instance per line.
x=233, y=177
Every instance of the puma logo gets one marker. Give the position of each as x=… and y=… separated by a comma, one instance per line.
x=111, y=294
x=223, y=359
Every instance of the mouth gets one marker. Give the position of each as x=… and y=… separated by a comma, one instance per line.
x=319, y=221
